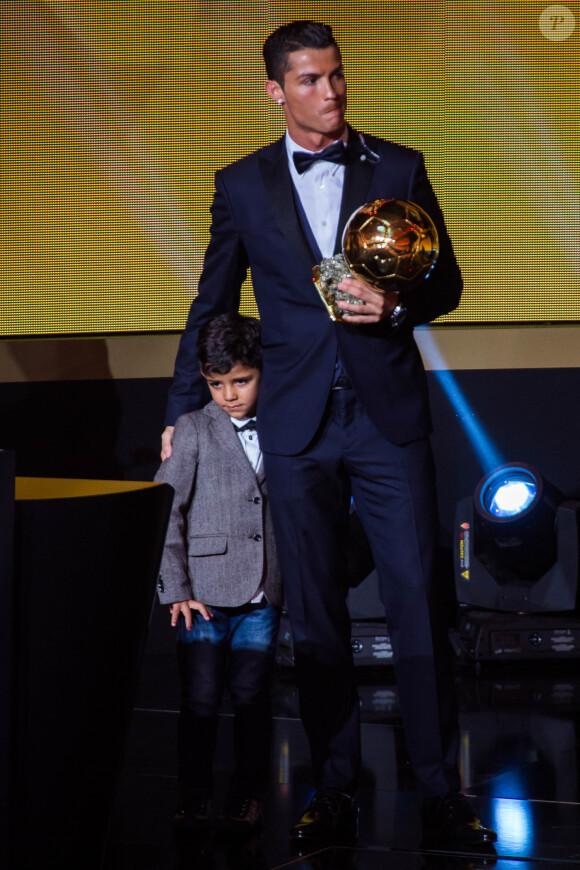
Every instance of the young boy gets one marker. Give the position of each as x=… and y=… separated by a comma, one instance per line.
x=220, y=576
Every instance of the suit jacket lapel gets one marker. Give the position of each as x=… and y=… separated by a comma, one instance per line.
x=260, y=474
x=229, y=437
x=357, y=180
x=279, y=187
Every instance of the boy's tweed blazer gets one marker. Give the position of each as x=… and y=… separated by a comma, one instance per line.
x=220, y=544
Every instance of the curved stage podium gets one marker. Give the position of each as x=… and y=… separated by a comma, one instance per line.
x=86, y=555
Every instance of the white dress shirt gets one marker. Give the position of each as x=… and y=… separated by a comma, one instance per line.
x=320, y=192
x=251, y=445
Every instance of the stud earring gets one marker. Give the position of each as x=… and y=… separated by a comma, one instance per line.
x=280, y=102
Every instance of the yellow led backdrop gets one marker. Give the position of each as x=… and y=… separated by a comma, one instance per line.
x=115, y=115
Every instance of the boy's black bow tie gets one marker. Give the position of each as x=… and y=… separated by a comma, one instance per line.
x=335, y=153
x=251, y=424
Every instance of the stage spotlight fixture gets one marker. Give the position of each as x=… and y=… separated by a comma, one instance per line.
x=516, y=544
x=508, y=493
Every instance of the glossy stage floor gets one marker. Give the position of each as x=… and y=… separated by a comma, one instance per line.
x=519, y=760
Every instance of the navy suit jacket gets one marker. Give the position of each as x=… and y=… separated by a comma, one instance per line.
x=255, y=225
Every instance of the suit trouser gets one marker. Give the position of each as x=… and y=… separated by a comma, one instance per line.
x=394, y=494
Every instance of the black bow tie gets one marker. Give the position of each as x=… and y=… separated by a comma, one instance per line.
x=250, y=425
x=335, y=153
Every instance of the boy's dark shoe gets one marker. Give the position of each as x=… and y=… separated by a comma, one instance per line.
x=331, y=818
x=242, y=814
x=193, y=817
x=449, y=820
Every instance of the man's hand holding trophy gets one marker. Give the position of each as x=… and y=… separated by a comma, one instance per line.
x=388, y=244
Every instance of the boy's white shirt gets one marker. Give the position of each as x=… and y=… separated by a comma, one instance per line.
x=251, y=445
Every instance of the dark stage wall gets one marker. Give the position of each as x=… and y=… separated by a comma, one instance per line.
x=111, y=428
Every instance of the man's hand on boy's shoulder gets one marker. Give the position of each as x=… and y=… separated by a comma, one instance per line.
x=186, y=607
x=166, y=442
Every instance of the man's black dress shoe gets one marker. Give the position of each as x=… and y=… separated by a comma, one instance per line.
x=449, y=820
x=193, y=817
x=242, y=814
x=331, y=818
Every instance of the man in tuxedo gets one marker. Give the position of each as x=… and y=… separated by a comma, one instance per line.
x=343, y=410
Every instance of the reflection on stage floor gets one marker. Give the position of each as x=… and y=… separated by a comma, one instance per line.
x=519, y=764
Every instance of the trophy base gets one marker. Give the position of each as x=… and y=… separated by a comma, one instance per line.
x=326, y=277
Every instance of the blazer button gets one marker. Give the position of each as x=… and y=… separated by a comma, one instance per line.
x=257, y=537
x=256, y=499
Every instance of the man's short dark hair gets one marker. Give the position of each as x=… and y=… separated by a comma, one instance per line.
x=293, y=37
x=227, y=340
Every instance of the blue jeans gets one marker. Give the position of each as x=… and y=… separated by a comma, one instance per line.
x=236, y=649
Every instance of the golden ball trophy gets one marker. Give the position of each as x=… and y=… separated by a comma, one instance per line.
x=390, y=244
